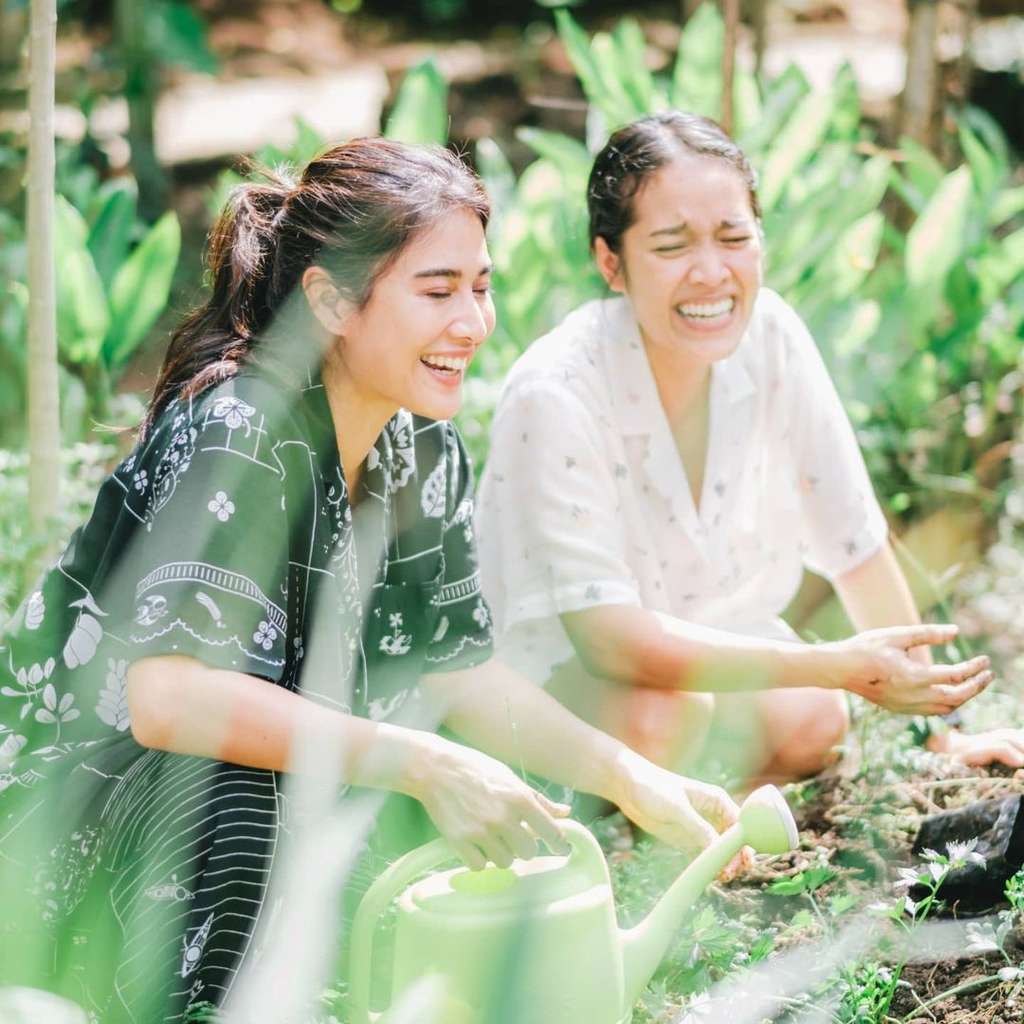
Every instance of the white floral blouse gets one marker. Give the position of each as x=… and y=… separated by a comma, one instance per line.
x=585, y=501
x=220, y=537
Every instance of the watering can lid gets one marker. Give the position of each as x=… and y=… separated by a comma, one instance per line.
x=526, y=884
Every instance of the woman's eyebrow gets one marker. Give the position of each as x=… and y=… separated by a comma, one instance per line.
x=679, y=229
x=451, y=272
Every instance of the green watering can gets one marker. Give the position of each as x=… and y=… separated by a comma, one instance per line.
x=537, y=942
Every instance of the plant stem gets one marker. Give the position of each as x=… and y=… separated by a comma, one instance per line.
x=967, y=986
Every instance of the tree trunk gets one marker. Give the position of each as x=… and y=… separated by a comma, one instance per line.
x=140, y=88
x=731, y=17
x=759, y=20
x=917, y=109
x=43, y=395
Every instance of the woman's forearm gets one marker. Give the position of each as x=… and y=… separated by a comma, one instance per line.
x=181, y=705
x=510, y=718
x=639, y=647
x=876, y=593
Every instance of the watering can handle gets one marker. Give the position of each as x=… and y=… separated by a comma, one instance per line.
x=398, y=875
x=371, y=909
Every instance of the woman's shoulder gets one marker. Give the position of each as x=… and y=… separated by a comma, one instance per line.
x=570, y=358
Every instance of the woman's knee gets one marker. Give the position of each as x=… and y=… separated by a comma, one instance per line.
x=813, y=740
x=667, y=726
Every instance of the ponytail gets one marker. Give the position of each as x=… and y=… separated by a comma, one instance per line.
x=353, y=210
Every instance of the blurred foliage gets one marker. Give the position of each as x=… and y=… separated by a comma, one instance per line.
x=113, y=281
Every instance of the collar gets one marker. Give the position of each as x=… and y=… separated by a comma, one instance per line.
x=633, y=388
x=639, y=413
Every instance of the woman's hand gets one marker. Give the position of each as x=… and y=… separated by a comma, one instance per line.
x=878, y=665
x=1002, y=746
x=482, y=807
x=684, y=813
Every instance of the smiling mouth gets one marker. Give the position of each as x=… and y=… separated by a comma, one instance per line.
x=706, y=311
x=449, y=366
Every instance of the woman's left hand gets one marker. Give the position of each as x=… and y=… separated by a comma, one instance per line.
x=997, y=746
x=682, y=812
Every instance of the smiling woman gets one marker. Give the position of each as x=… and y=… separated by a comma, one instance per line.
x=284, y=564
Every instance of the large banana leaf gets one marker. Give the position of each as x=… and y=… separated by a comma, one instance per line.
x=82, y=315
x=111, y=233
x=420, y=113
x=697, y=77
x=936, y=239
x=140, y=289
x=794, y=145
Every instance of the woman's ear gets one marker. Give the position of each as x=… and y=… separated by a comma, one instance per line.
x=328, y=305
x=609, y=264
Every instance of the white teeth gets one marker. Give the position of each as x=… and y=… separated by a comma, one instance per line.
x=707, y=309
x=445, y=362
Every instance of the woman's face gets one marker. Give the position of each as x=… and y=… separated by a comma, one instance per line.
x=691, y=261
x=428, y=313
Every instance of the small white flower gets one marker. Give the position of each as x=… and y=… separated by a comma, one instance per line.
x=480, y=615
x=234, y=412
x=960, y=851
x=265, y=635
x=222, y=506
x=395, y=620
x=140, y=479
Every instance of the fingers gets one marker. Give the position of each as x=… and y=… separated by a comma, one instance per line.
x=950, y=697
x=926, y=633
x=522, y=843
x=959, y=672
x=538, y=814
x=468, y=853
x=1003, y=752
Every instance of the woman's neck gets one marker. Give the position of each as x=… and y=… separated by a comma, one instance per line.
x=683, y=385
x=358, y=420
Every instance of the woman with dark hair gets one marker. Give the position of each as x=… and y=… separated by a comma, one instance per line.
x=695, y=458
x=275, y=569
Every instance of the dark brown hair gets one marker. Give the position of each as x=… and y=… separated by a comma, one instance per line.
x=352, y=211
x=636, y=151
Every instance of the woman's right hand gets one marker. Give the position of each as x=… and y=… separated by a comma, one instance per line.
x=483, y=808
x=877, y=665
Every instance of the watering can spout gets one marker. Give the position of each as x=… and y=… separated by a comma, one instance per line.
x=765, y=823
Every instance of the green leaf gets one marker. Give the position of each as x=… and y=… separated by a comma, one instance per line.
x=82, y=315
x=794, y=145
x=984, y=170
x=420, y=113
x=780, y=100
x=493, y=166
x=140, y=289
x=177, y=35
x=111, y=233
x=577, y=47
x=568, y=155
x=921, y=169
x=631, y=51
x=998, y=268
x=935, y=241
x=697, y=76
x=1007, y=204
x=854, y=257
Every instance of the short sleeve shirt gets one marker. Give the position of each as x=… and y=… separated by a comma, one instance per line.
x=585, y=502
x=227, y=535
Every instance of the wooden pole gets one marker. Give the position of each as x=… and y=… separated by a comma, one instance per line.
x=731, y=17
x=43, y=394
x=918, y=103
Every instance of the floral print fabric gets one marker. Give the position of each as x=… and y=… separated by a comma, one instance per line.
x=223, y=536
x=585, y=502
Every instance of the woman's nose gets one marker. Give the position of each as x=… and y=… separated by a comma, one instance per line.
x=708, y=266
x=471, y=323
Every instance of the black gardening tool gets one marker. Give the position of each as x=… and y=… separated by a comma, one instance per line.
x=998, y=826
